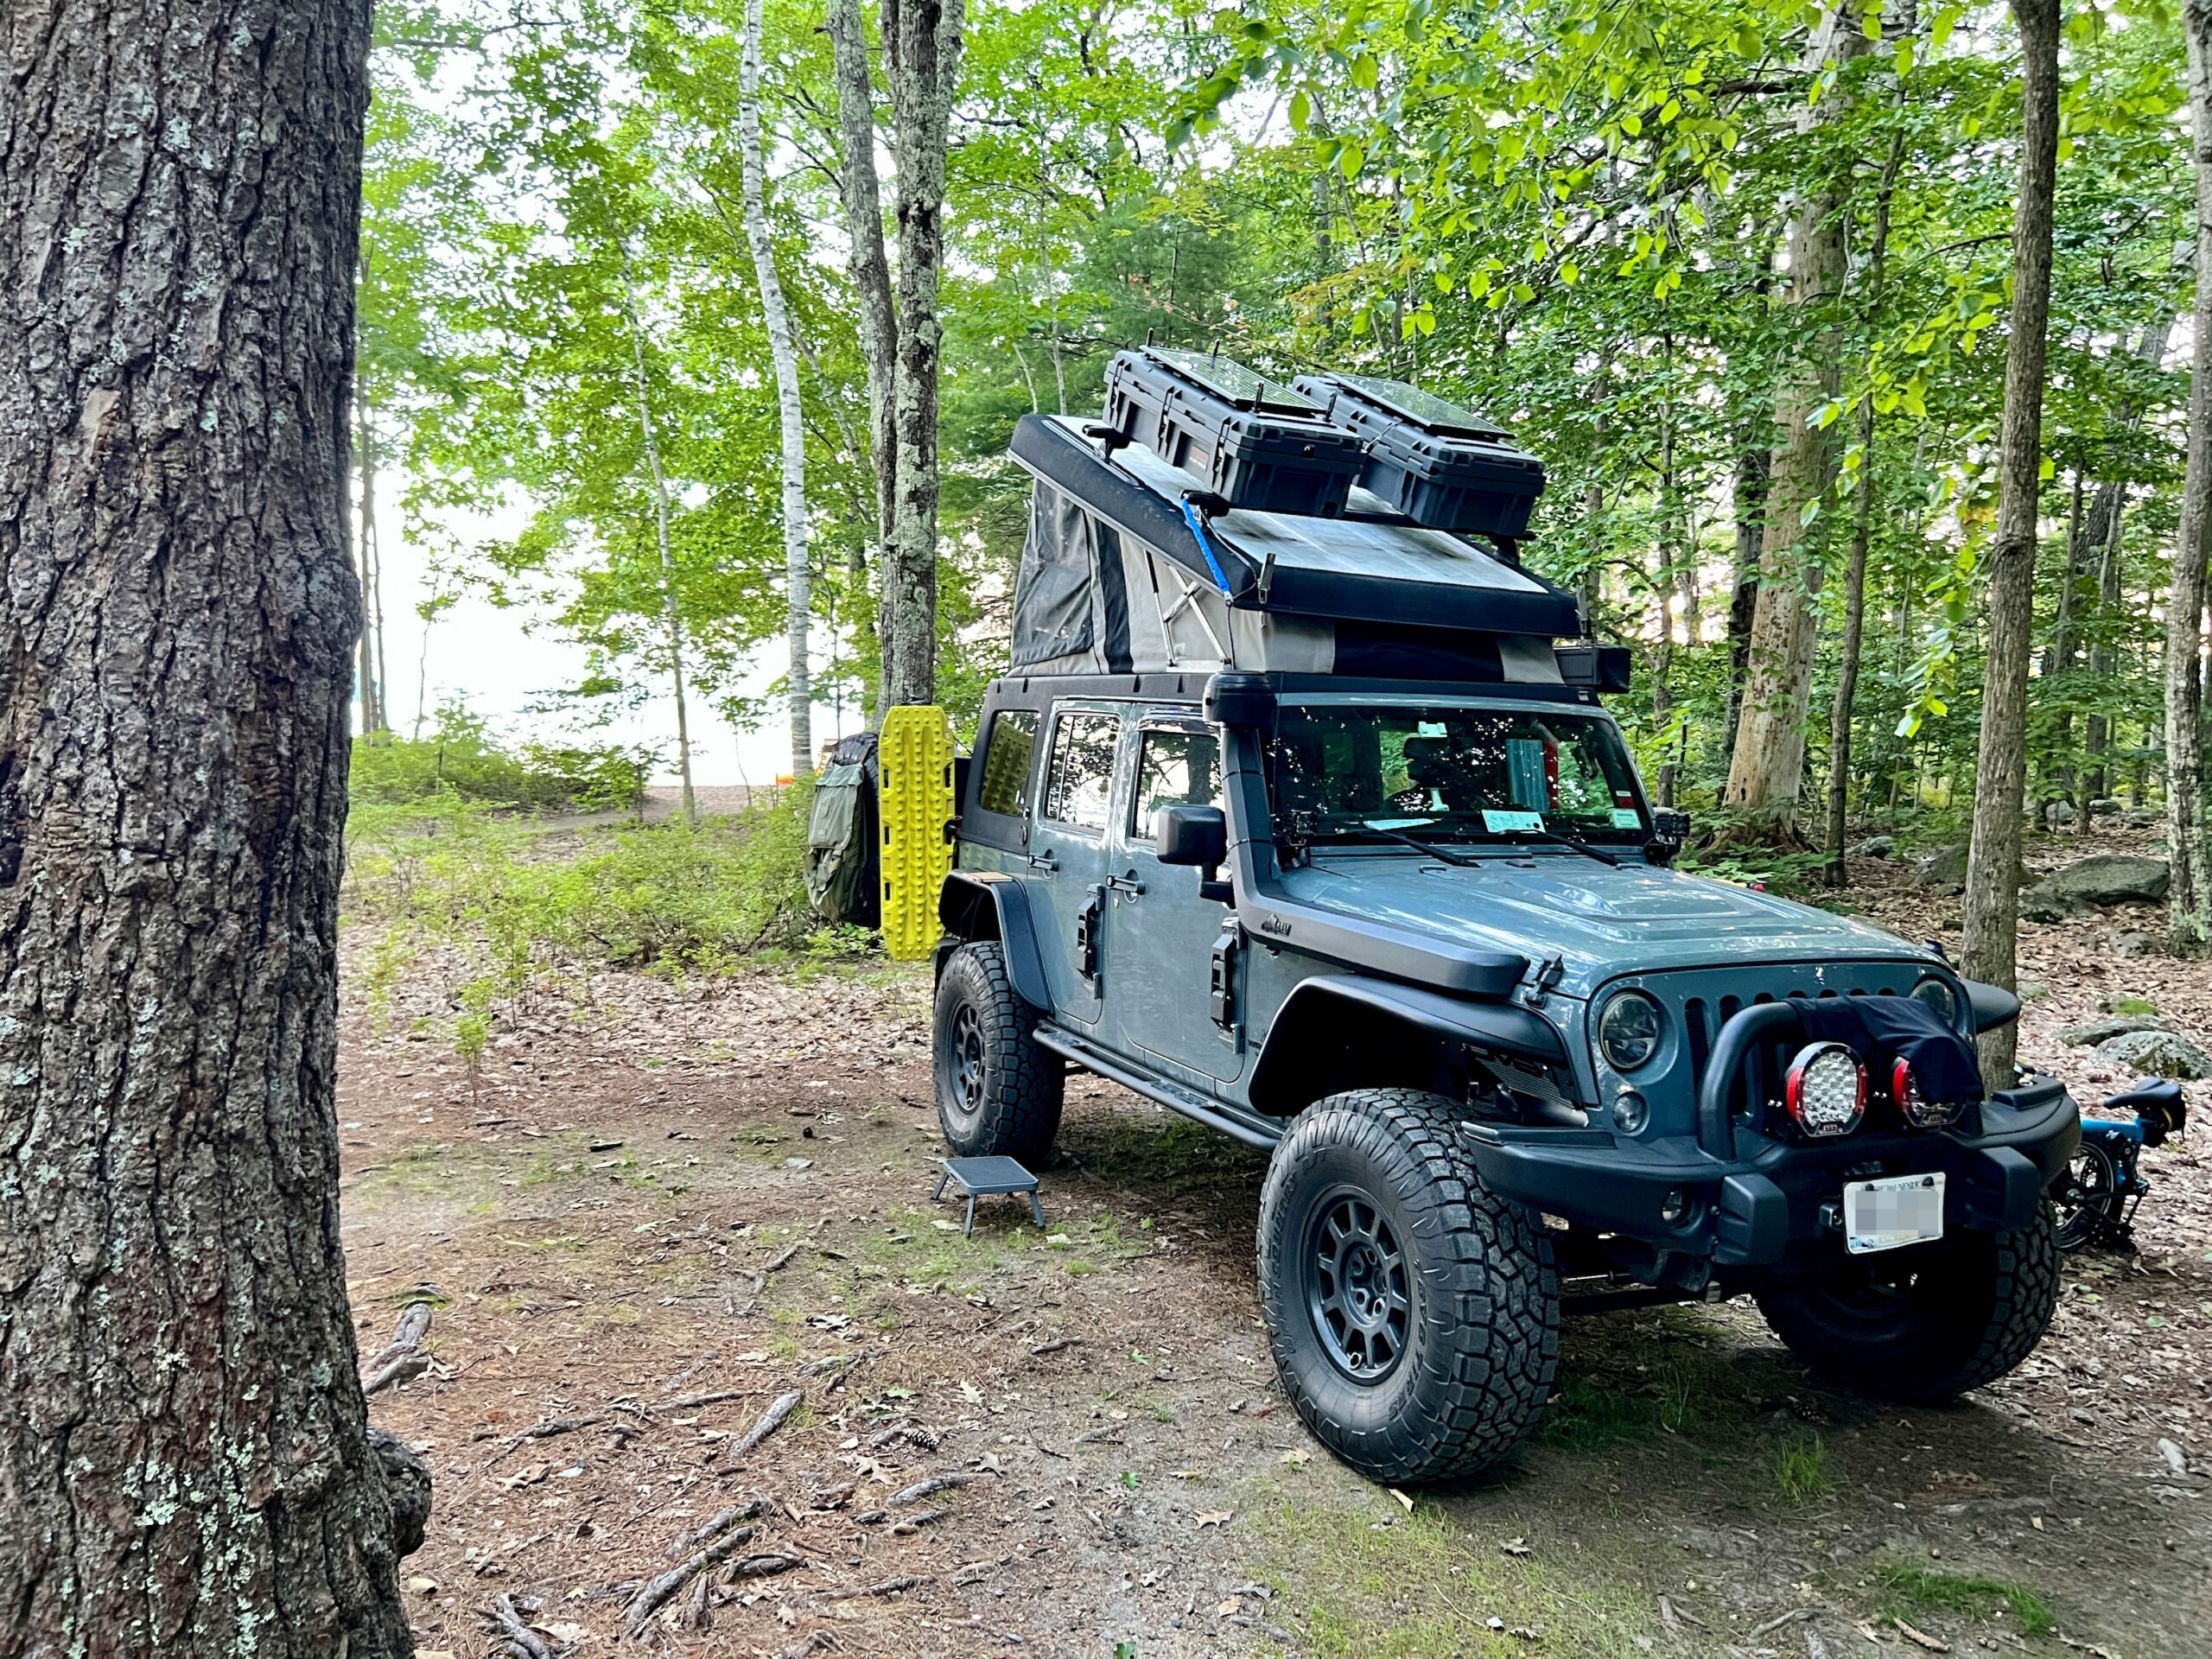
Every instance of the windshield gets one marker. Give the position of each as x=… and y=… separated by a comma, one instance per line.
x=1353, y=772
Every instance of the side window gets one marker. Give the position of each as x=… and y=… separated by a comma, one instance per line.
x=1009, y=752
x=1174, y=768
x=1080, y=783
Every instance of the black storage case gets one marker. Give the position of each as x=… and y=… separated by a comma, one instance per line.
x=1439, y=464
x=1256, y=443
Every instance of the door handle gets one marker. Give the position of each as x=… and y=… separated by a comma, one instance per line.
x=1044, y=862
x=1128, y=884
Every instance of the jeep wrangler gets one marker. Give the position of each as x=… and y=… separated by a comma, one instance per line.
x=1300, y=822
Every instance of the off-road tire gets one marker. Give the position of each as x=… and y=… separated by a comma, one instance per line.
x=1481, y=1331
x=1975, y=1306
x=998, y=1093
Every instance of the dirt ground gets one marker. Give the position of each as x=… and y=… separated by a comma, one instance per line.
x=657, y=1209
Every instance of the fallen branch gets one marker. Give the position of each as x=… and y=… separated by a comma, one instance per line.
x=1781, y=1619
x=521, y=1640
x=763, y=1565
x=782, y=1261
x=922, y=1489
x=888, y=1587
x=1055, y=1345
x=656, y=1591
x=698, y=1400
x=815, y=1642
x=752, y=1509
x=401, y=1359
x=769, y=1422
x=913, y=1523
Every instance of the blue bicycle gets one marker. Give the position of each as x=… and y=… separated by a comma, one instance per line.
x=2095, y=1201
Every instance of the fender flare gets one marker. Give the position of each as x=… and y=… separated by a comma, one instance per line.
x=1316, y=1008
x=992, y=904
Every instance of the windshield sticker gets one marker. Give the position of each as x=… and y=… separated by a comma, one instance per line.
x=1627, y=818
x=1430, y=728
x=1501, y=822
x=1397, y=823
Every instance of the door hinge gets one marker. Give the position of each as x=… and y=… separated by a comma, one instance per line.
x=1223, y=979
x=1086, y=936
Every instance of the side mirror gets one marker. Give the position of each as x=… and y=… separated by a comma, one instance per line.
x=1671, y=828
x=1192, y=835
x=1233, y=699
x=1991, y=1007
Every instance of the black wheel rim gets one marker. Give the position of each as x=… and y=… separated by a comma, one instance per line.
x=1357, y=1290
x=967, y=1057
x=2089, y=1189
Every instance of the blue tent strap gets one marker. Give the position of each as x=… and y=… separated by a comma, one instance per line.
x=1198, y=524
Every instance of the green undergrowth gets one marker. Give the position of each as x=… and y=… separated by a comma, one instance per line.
x=1357, y=1581
x=1908, y=1590
x=460, y=757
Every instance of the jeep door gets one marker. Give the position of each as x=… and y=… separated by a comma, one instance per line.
x=1162, y=936
x=1067, y=853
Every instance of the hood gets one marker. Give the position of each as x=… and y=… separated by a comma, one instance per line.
x=1601, y=922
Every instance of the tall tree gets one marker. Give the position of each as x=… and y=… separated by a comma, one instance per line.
x=1768, y=761
x=922, y=43
x=797, y=584
x=188, y=1466
x=2189, y=897
x=1992, y=900
x=878, y=325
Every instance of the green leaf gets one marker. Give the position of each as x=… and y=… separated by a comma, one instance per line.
x=1301, y=111
x=1350, y=159
x=1569, y=272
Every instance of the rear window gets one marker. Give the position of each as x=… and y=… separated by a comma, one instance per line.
x=1009, y=757
x=1079, y=786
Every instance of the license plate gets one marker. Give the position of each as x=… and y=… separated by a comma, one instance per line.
x=1890, y=1213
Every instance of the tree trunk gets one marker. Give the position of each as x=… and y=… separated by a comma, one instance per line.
x=921, y=39
x=1754, y=471
x=186, y=1465
x=871, y=272
x=670, y=615
x=1768, y=764
x=368, y=680
x=798, y=603
x=2106, y=511
x=1992, y=902
x=2189, y=898
x=1862, y=530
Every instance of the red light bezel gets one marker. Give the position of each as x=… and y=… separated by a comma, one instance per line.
x=1793, y=1089
x=1928, y=1114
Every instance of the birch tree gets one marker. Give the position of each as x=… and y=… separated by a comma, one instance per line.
x=797, y=595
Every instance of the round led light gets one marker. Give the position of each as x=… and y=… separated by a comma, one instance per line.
x=1826, y=1090
x=1674, y=1206
x=1920, y=1111
x=1629, y=1030
x=1939, y=996
x=1630, y=1112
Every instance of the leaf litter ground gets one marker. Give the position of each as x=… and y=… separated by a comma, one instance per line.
x=660, y=1208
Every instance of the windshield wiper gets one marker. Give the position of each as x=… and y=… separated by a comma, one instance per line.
x=1581, y=846
x=1433, y=850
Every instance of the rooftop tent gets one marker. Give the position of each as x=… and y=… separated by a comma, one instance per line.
x=1115, y=579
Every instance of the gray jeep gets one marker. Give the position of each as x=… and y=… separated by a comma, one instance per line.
x=1306, y=828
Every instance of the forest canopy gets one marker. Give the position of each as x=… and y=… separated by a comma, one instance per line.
x=1600, y=224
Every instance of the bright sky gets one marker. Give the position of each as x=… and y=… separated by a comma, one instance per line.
x=501, y=662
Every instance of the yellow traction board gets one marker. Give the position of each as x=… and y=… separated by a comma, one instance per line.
x=914, y=764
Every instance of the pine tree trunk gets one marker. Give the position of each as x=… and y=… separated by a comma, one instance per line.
x=186, y=1465
x=871, y=274
x=1768, y=764
x=798, y=604
x=1992, y=901
x=2189, y=898
x=671, y=615
x=923, y=41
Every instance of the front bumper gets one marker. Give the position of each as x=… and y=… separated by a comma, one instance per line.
x=1772, y=1202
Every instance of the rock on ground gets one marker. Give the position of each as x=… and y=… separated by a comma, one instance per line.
x=2156, y=1054
x=1875, y=847
x=2090, y=1033
x=1946, y=868
x=2103, y=879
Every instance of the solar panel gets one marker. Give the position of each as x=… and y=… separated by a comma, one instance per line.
x=1425, y=409
x=1232, y=382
